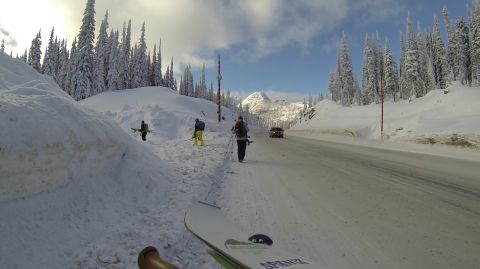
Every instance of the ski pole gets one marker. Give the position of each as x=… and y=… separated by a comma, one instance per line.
x=149, y=258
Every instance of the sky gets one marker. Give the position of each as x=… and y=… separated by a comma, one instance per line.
x=281, y=47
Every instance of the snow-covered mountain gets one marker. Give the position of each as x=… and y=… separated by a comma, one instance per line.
x=272, y=113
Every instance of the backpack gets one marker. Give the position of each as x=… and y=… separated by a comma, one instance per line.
x=240, y=130
x=201, y=125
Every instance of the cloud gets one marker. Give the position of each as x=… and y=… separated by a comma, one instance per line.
x=194, y=31
x=10, y=40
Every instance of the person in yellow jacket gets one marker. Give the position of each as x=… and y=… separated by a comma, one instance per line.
x=198, y=133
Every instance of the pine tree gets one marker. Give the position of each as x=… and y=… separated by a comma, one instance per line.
x=2, y=47
x=139, y=61
x=203, y=84
x=411, y=82
x=461, y=58
x=63, y=66
x=390, y=74
x=450, y=50
x=70, y=82
x=368, y=83
x=424, y=61
x=83, y=58
x=24, y=56
x=158, y=67
x=124, y=58
x=402, y=54
x=48, y=65
x=166, y=78
x=100, y=68
x=113, y=62
x=475, y=44
x=211, y=95
x=171, y=82
x=440, y=64
x=346, y=80
x=35, y=53
x=154, y=66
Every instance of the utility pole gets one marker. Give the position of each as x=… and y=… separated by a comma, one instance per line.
x=382, y=94
x=219, y=77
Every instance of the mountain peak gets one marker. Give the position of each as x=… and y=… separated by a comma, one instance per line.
x=257, y=96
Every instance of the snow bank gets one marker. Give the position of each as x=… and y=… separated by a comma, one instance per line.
x=169, y=114
x=437, y=118
x=47, y=140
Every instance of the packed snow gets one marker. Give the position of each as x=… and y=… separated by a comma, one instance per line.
x=79, y=189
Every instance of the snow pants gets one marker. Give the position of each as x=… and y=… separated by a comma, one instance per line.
x=198, y=136
x=241, y=145
x=144, y=136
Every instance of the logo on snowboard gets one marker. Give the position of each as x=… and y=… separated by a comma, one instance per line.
x=282, y=264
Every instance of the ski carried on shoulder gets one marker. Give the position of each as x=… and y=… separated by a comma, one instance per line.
x=233, y=248
x=138, y=130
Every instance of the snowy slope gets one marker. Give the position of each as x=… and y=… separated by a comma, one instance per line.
x=437, y=118
x=273, y=112
x=79, y=190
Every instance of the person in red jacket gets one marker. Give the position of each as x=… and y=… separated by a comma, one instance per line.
x=240, y=130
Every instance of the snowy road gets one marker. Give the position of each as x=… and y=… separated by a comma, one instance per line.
x=349, y=206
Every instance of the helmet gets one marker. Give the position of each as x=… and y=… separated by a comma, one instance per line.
x=196, y=120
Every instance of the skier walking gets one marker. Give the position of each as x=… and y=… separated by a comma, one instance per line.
x=198, y=132
x=240, y=130
x=144, y=130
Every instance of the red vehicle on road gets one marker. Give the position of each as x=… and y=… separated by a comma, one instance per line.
x=276, y=132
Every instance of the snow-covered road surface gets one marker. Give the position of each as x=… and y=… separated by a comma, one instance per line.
x=348, y=206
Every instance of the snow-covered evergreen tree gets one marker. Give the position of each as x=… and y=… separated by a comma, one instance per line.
x=35, y=53
x=139, y=62
x=63, y=66
x=358, y=98
x=424, y=61
x=70, y=83
x=402, y=54
x=158, y=67
x=440, y=64
x=346, y=80
x=48, y=66
x=450, y=50
x=369, y=78
x=411, y=82
x=390, y=74
x=113, y=61
x=461, y=58
x=83, y=57
x=123, y=63
x=203, y=84
x=475, y=43
x=102, y=50
x=171, y=82
x=211, y=95
x=24, y=56
x=2, y=47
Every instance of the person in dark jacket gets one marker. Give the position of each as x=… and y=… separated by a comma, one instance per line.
x=240, y=130
x=198, y=132
x=144, y=130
